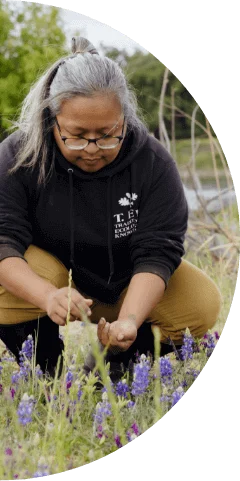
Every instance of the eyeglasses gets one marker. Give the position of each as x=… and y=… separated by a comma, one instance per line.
x=79, y=143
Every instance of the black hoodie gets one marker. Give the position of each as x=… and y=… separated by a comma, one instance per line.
x=126, y=218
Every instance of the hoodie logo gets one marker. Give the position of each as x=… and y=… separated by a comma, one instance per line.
x=128, y=200
x=125, y=223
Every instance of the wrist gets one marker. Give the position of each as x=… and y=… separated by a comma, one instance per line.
x=130, y=318
x=50, y=289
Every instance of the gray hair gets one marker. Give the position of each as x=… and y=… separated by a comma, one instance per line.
x=84, y=73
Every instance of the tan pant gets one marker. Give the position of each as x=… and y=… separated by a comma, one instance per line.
x=191, y=300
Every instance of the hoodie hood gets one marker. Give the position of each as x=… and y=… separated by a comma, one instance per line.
x=132, y=144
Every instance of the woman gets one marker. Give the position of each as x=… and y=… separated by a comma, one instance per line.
x=84, y=186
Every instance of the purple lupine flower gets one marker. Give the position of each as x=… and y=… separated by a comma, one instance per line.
x=12, y=392
x=133, y=433
x=15, y=377
x=27, y=349
x=166, y=370
x=217, y=336
x=25, y=409
x=130, y=404
x=8, y=452
x=187, y=347
x=210, y=344
x=69, y=376
x=165, y=399
x=42, y=471
x=38, y=371
x=99, y=431
x=118, y=441
x=105, y=389
x=103, y=410
x=135, y=428
x=177, y=395
x=79, y=393
x=122, y=388
x=141, y=376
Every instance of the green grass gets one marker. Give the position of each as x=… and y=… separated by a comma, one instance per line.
x=62, y=434
x=203, y=155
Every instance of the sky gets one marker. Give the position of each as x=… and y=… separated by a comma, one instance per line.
x=95, y=30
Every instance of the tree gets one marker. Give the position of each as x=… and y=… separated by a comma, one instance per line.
x=31, y=39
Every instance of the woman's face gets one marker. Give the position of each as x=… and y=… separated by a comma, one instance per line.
x=90, y=117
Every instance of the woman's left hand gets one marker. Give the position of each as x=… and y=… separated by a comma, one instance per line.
x=121, y=333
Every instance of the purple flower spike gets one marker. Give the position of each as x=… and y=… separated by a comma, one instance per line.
x=187, y=347
x=141, y=376
x=122, y=389
x=25, y=410
x=177, y=395
x=135, y=429
x=8, y=452
x=166, y=370
x=118, y=441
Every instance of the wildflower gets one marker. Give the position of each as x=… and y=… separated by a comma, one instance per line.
x=122, y=388
x=187, y=347
x=79, y=393
x=178, y=394
x=69, y=376
x=130, y=436
x=217, y=337
x=15, y=377
x=38, y=371
x=209, y=344
x=130, y=404
x=105, y=389
x=42, y=469
x=25, y=409
x=99, y=432
x=135, y=429
x=8, y=452
x=103, y=410
x=27, y=349
x=166, y=369
x=1, y=368
x=118, y=441
x=141, y=376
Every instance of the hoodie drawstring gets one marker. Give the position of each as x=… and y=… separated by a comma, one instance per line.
x=70, y=172
x=109, y=220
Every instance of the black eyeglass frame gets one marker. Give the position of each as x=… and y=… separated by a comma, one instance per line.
x=63, y=138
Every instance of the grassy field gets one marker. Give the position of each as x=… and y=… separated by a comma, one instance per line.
x=203, y=153
x=52, y=426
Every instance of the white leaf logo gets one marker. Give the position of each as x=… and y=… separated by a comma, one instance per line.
x=128, y=200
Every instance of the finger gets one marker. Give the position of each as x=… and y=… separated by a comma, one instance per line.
x=105, y=334
x=77, y=298
x=61, y=312
x=120, y=337
x=58, y=320
x=100, y=326
x=76, y=310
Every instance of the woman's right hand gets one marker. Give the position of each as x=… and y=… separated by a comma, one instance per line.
x=57, y=305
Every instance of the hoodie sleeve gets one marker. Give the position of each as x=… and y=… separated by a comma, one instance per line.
x=157, y=244
x=15, y=228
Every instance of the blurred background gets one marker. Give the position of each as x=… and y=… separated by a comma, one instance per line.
x=33, y=36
